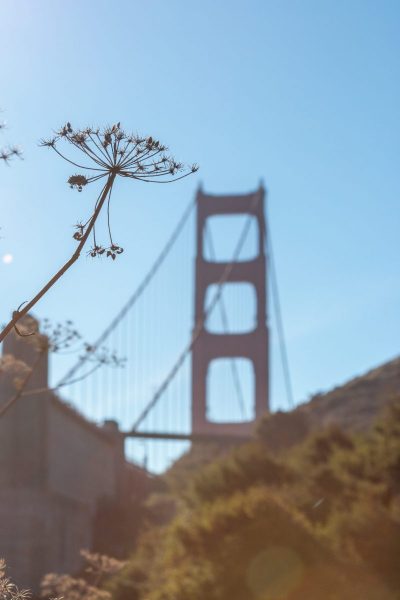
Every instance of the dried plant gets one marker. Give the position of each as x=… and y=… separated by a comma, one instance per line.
x=65, y=587
x=59, y=338
x=8, y=589
x=64, y=338
x=108, y=153
x=100, y=566
x=113, y=152
x=70, y=588
x=98, y=569
x=9, y=152
x=13, y=368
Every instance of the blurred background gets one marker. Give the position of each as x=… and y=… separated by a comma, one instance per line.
x=302, y=96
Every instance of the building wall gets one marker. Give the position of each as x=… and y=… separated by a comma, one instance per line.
x=23, y=442
x=80, y=456
x=41, y=533
x=55, y=467
x=22, y=428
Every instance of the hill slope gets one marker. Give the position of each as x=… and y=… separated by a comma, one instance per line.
x=354, y=405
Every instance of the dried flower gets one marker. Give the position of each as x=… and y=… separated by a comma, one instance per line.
x=13, y=370
x=6, y=154
x=8, y=589
x=61, y=338
x=98, y=569
x=77, y=181
x=102, y=356
x=112, y=152
x=108, y=153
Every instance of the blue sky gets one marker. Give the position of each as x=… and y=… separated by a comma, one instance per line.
x=303, y=95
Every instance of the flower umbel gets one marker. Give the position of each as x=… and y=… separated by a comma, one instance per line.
x=6, y=154
x=109, y=153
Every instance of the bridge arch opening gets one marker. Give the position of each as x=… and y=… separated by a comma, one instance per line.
x=222, y=233
x=230, y=390
x=236, y=310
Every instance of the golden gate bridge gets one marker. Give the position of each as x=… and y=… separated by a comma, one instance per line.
x=206, y=384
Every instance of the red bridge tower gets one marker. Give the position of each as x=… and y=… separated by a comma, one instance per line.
x=252, y=345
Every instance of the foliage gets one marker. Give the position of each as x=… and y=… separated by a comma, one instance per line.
x=99, y=568
x=246, y=466
x=282, y=430
x=89, y=585
x=322, y=520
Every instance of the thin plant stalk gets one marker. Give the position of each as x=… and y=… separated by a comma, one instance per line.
x=18, y=314
x=115, y=154
x=57, y=339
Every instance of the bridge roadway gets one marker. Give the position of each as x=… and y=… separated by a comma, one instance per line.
x=191, y=437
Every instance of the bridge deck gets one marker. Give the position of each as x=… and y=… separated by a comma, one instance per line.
x=192, y=437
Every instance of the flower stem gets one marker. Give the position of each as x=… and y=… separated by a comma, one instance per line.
x=20, y=313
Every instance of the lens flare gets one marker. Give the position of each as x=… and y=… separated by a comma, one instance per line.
x=7, y=259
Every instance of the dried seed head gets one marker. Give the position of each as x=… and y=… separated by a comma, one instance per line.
x=110, y=151
x=77, y=181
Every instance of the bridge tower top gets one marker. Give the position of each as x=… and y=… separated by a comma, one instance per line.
x=209, y=346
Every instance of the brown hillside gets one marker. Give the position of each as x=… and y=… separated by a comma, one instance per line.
x=352, y=406
x=355, y=405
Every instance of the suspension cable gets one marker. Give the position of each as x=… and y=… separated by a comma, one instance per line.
x=134, y=298
x=279, y=320
x=200, y=325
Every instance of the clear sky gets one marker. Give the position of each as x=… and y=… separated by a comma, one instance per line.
x=304, y=95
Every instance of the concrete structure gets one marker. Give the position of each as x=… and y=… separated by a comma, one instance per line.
x=55, y=467
x=210, y=346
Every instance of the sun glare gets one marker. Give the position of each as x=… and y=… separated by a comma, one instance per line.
x=7, y=259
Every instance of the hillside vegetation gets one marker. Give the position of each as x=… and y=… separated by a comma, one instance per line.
x=318, y=519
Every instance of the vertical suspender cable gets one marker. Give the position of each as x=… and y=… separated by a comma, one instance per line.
x=279, y=321
x=136, y=295
x=197, y=330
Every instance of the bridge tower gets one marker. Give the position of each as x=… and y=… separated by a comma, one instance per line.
x=252, y=345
